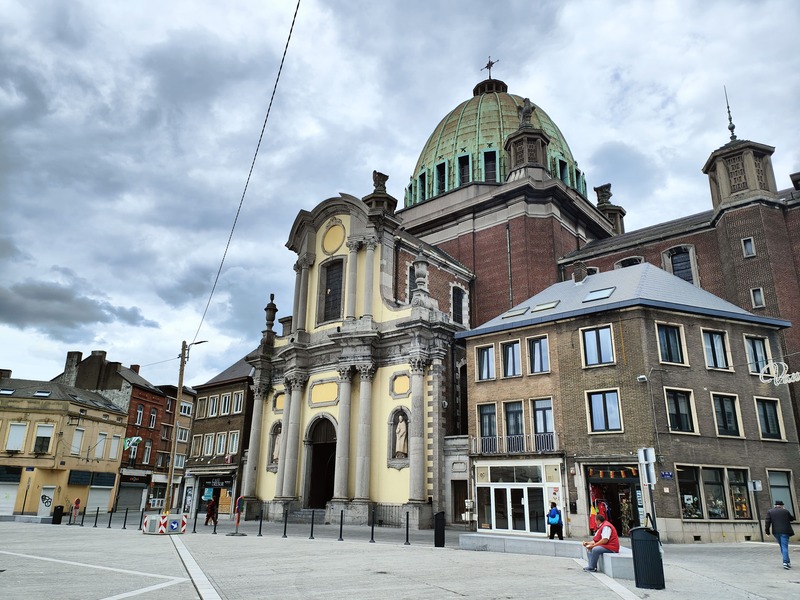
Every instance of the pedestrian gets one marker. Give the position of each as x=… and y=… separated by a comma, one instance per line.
x=211, y=511
x=780, y=521
x=556, y=522
x=605, y=540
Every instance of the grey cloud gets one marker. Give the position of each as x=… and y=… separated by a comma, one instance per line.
x=632, y=173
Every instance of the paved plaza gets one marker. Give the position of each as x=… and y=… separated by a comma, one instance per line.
x=83, y=563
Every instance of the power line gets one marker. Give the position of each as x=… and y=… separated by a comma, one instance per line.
x=247, y=182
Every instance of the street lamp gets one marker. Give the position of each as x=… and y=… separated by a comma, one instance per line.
x=184, y=359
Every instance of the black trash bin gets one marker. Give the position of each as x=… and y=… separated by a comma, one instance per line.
x=58, y=514
x=648, y=567
x=438, y=530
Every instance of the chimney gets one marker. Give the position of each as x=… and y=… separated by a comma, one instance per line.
x=135, y=369
x=71, y=368
x=579, y=271
x=5, y=373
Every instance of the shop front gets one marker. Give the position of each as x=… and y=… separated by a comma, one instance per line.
x=615, y=491
x=514, y=496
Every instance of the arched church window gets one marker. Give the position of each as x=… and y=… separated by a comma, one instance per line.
x=628, y=262
x=681, y=261
x=331, y=290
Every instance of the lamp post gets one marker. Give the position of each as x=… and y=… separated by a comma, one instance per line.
x=184, y=359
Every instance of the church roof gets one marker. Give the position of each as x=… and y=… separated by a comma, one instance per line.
x=641, y=285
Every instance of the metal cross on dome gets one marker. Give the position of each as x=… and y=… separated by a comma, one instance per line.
x=489, y=66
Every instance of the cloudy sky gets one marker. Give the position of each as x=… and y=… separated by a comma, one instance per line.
x=127, y=130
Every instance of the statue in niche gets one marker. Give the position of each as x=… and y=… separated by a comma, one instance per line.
x=276, y=446
x=401, y=437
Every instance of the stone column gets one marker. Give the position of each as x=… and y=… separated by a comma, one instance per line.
x=293, y=436
x=369, y=275
x=287, y=411
x=254, y=446
x=363, y=452
x=416, y=431
x=352, y=270
x=296, y=302
x=305, y=262
x=342, y=471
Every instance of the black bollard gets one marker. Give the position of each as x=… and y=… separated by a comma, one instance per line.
x=311, y=537
x=407, y=542
x=260, y=521
x=372, y=529
x=69, y=521
x=215, y=527
x=341, y=524
x=285, y=521
x=141, y=519
x=194, y=527
x=125, y=520
x=83, y=518
x=110, y=514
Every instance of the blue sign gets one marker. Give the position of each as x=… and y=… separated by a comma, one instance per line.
x=666, y=475
x=173, y=525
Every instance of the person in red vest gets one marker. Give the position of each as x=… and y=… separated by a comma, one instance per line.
x=605, y=540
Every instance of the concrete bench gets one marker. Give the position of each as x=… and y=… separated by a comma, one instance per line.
x=618, y=566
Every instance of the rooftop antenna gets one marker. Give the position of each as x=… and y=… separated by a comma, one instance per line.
x=731, y=126
x=489, y=66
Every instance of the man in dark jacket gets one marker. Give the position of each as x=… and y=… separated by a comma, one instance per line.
x=780, y=521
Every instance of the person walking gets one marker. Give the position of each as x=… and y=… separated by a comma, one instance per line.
x=780, y=521
x=556, y=522
x=605, y=540
x=211, y=511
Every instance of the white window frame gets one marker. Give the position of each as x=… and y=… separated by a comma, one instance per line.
x=41, y=427
x=183, y=434
x=238, y=402
x=545, y=354
x=197, y=445
x=492, y=367
x=225, y=404
x=153, y=418
x=148, y=451
x=221, y=443
x=139, y=414
x=75, y=449
x=213, y=405
x=202, y=408
x=726, y=344
x=16, y=442
x=739, y=423
x=588, y=405
x=180, y=461
x=748, y=247
x=516, y=359
x=682, y=341
x=208, y=444
x=100, y=446
x=113, y=450
x=752, y=366
x=692, y=408
x=186, y=408
x=233, y=442
x=757, y=297
x=583, y=331
x=782, y=429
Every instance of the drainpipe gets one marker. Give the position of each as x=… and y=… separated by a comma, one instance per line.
x=510, y=281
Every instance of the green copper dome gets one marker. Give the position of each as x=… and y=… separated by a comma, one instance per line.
x=467, y=145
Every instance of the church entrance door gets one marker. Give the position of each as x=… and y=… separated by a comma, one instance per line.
x=323, y=461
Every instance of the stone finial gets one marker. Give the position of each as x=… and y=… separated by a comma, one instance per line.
x=271, y=309
x=379, y=181
x=525, y=111
x=731, y=126
x=603, y=194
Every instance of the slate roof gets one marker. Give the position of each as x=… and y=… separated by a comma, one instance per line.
x=27, y=388
x=639, y=285
x=238, y=370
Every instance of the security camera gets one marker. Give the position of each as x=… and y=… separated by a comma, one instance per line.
x=642, y=379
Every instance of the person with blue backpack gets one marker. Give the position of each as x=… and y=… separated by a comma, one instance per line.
x=556, y=522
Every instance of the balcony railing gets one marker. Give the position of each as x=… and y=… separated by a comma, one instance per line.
x=515, y=444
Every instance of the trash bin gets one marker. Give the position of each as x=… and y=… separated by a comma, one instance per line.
x=648, y=566
x=58, y=514
x=438, y=530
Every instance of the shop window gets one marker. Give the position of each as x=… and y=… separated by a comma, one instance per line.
x=680, y=409
x=670, y=344
x=726, y=412
x=604, y=411
x=511, y=359
x=769, y=418
x=757, y=353
x=538, y=355
x=485, y=363
x=713, y=493
x=780, y=488
x=716, y=350
x=598, y=346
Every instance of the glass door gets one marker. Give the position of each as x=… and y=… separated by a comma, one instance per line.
x=536, y=511
x=518, y=509
x=500, y=509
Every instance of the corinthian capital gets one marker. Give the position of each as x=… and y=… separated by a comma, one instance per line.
x=418, y=364
x=367, y=371
x=353, y=245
